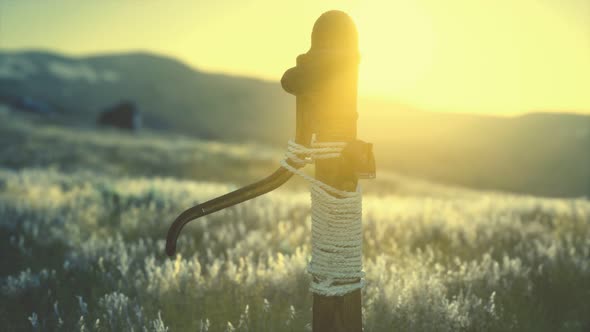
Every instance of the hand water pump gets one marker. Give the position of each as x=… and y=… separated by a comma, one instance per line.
x=324, y=82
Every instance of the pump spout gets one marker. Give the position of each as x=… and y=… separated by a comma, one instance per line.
x=273, y=181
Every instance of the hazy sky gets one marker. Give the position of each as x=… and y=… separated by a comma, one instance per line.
x=459, y=55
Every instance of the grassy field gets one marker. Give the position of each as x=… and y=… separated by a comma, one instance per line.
x=84, y=214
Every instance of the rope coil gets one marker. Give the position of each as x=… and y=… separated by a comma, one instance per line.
x=336, y=228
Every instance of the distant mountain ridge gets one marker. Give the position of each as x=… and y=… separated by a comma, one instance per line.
x=539, y=153
x=172, y=95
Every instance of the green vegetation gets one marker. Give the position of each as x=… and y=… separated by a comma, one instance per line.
x=84, y=213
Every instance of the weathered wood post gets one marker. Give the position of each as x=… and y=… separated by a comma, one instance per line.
x=325, y=85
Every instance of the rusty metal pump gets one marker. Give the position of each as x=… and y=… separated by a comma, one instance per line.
x=324, y=82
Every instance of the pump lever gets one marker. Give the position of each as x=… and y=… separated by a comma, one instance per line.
x=273, y=181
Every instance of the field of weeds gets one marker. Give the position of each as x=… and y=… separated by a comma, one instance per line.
x=83, y=219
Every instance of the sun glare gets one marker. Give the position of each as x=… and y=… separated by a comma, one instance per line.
x=467, y=56
x=397, y=42
x=457, y=55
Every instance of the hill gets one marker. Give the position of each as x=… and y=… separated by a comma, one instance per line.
x=171, y=95
x=544, y=154
x=540, y=153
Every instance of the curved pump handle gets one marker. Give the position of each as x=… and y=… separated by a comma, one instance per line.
x=273, y=181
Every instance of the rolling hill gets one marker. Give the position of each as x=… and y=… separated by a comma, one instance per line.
x=171, y=95
x=539, y=153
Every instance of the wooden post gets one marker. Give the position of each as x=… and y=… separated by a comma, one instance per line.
x=325, y=84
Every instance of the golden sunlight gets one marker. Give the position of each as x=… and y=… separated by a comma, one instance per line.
x=471, y=56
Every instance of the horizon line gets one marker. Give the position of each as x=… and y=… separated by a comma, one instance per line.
x=365, y=97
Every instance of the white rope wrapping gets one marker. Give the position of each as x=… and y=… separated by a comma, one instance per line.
x=336, y=229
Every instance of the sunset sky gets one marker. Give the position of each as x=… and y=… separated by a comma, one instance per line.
x=501, y=56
